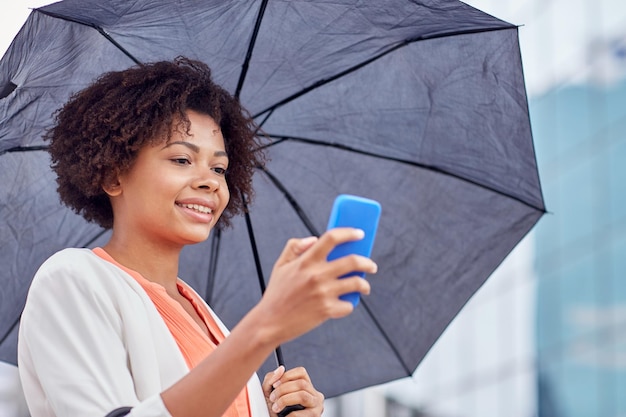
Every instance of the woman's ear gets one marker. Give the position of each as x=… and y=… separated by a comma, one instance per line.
x=112, y=186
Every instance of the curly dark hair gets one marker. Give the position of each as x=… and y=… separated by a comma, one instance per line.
x=99, y=131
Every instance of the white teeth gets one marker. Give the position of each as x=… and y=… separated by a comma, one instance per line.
x=197, y=207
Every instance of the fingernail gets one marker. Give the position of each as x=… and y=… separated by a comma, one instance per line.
x=276, y=384
x=375, y=268
x=360, y=233
x=273, y=397
x=275, y=408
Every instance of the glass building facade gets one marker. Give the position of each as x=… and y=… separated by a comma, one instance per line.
x=581, y=251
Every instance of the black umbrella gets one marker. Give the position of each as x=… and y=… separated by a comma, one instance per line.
x=420, y=105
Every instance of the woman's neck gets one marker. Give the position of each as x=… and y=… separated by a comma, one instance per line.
x=156, y=263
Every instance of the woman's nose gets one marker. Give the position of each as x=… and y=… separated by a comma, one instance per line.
x=207, y=180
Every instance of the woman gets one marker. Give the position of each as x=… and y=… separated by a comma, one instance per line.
x=162, y=155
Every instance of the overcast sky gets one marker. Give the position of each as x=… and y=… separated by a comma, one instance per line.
x=566, y=41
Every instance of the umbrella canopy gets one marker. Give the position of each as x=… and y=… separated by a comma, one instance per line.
x=419, y=104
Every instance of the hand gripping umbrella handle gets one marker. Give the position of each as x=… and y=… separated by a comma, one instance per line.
x=289, y=408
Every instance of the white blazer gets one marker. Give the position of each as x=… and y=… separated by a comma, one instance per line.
x=91, y=340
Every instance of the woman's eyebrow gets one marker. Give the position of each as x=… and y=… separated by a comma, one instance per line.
x=195, y=148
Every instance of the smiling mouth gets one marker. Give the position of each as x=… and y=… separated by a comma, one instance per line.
x=196, y=207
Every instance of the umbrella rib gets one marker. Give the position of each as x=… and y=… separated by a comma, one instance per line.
x=255, y=251
x=278, y=352
x=292, y=201
x=94, y=26
x=25, y=149
x=360, y=65
x=382, y=331
x=262, y=122
x=246, y=62
x=282, y=139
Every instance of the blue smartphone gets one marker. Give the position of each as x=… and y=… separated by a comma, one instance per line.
x=361, y=213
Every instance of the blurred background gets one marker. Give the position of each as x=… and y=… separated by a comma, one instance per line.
x=546, y=335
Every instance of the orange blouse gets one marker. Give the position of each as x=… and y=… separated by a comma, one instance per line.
x=193, y=343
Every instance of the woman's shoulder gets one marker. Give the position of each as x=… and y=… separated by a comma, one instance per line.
x=78, y=266
x=68, y=256
x=69, y=260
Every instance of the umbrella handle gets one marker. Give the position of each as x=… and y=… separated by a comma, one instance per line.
x=289, y=409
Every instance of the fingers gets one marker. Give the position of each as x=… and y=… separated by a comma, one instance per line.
x=304, y=288
x=334, y=237
x=293, y=375
x=328, y=241
x=352, y=284
x=308, y=260
x=353, y=263
x=294, y=248
x=295, y=387
x=271, y=378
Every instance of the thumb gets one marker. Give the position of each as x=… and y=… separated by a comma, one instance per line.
x=295, y=248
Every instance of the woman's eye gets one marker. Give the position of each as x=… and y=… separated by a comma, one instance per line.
x=181, y=161
x=219, y=170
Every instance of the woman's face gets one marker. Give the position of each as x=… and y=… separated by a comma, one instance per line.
x=175, y=192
